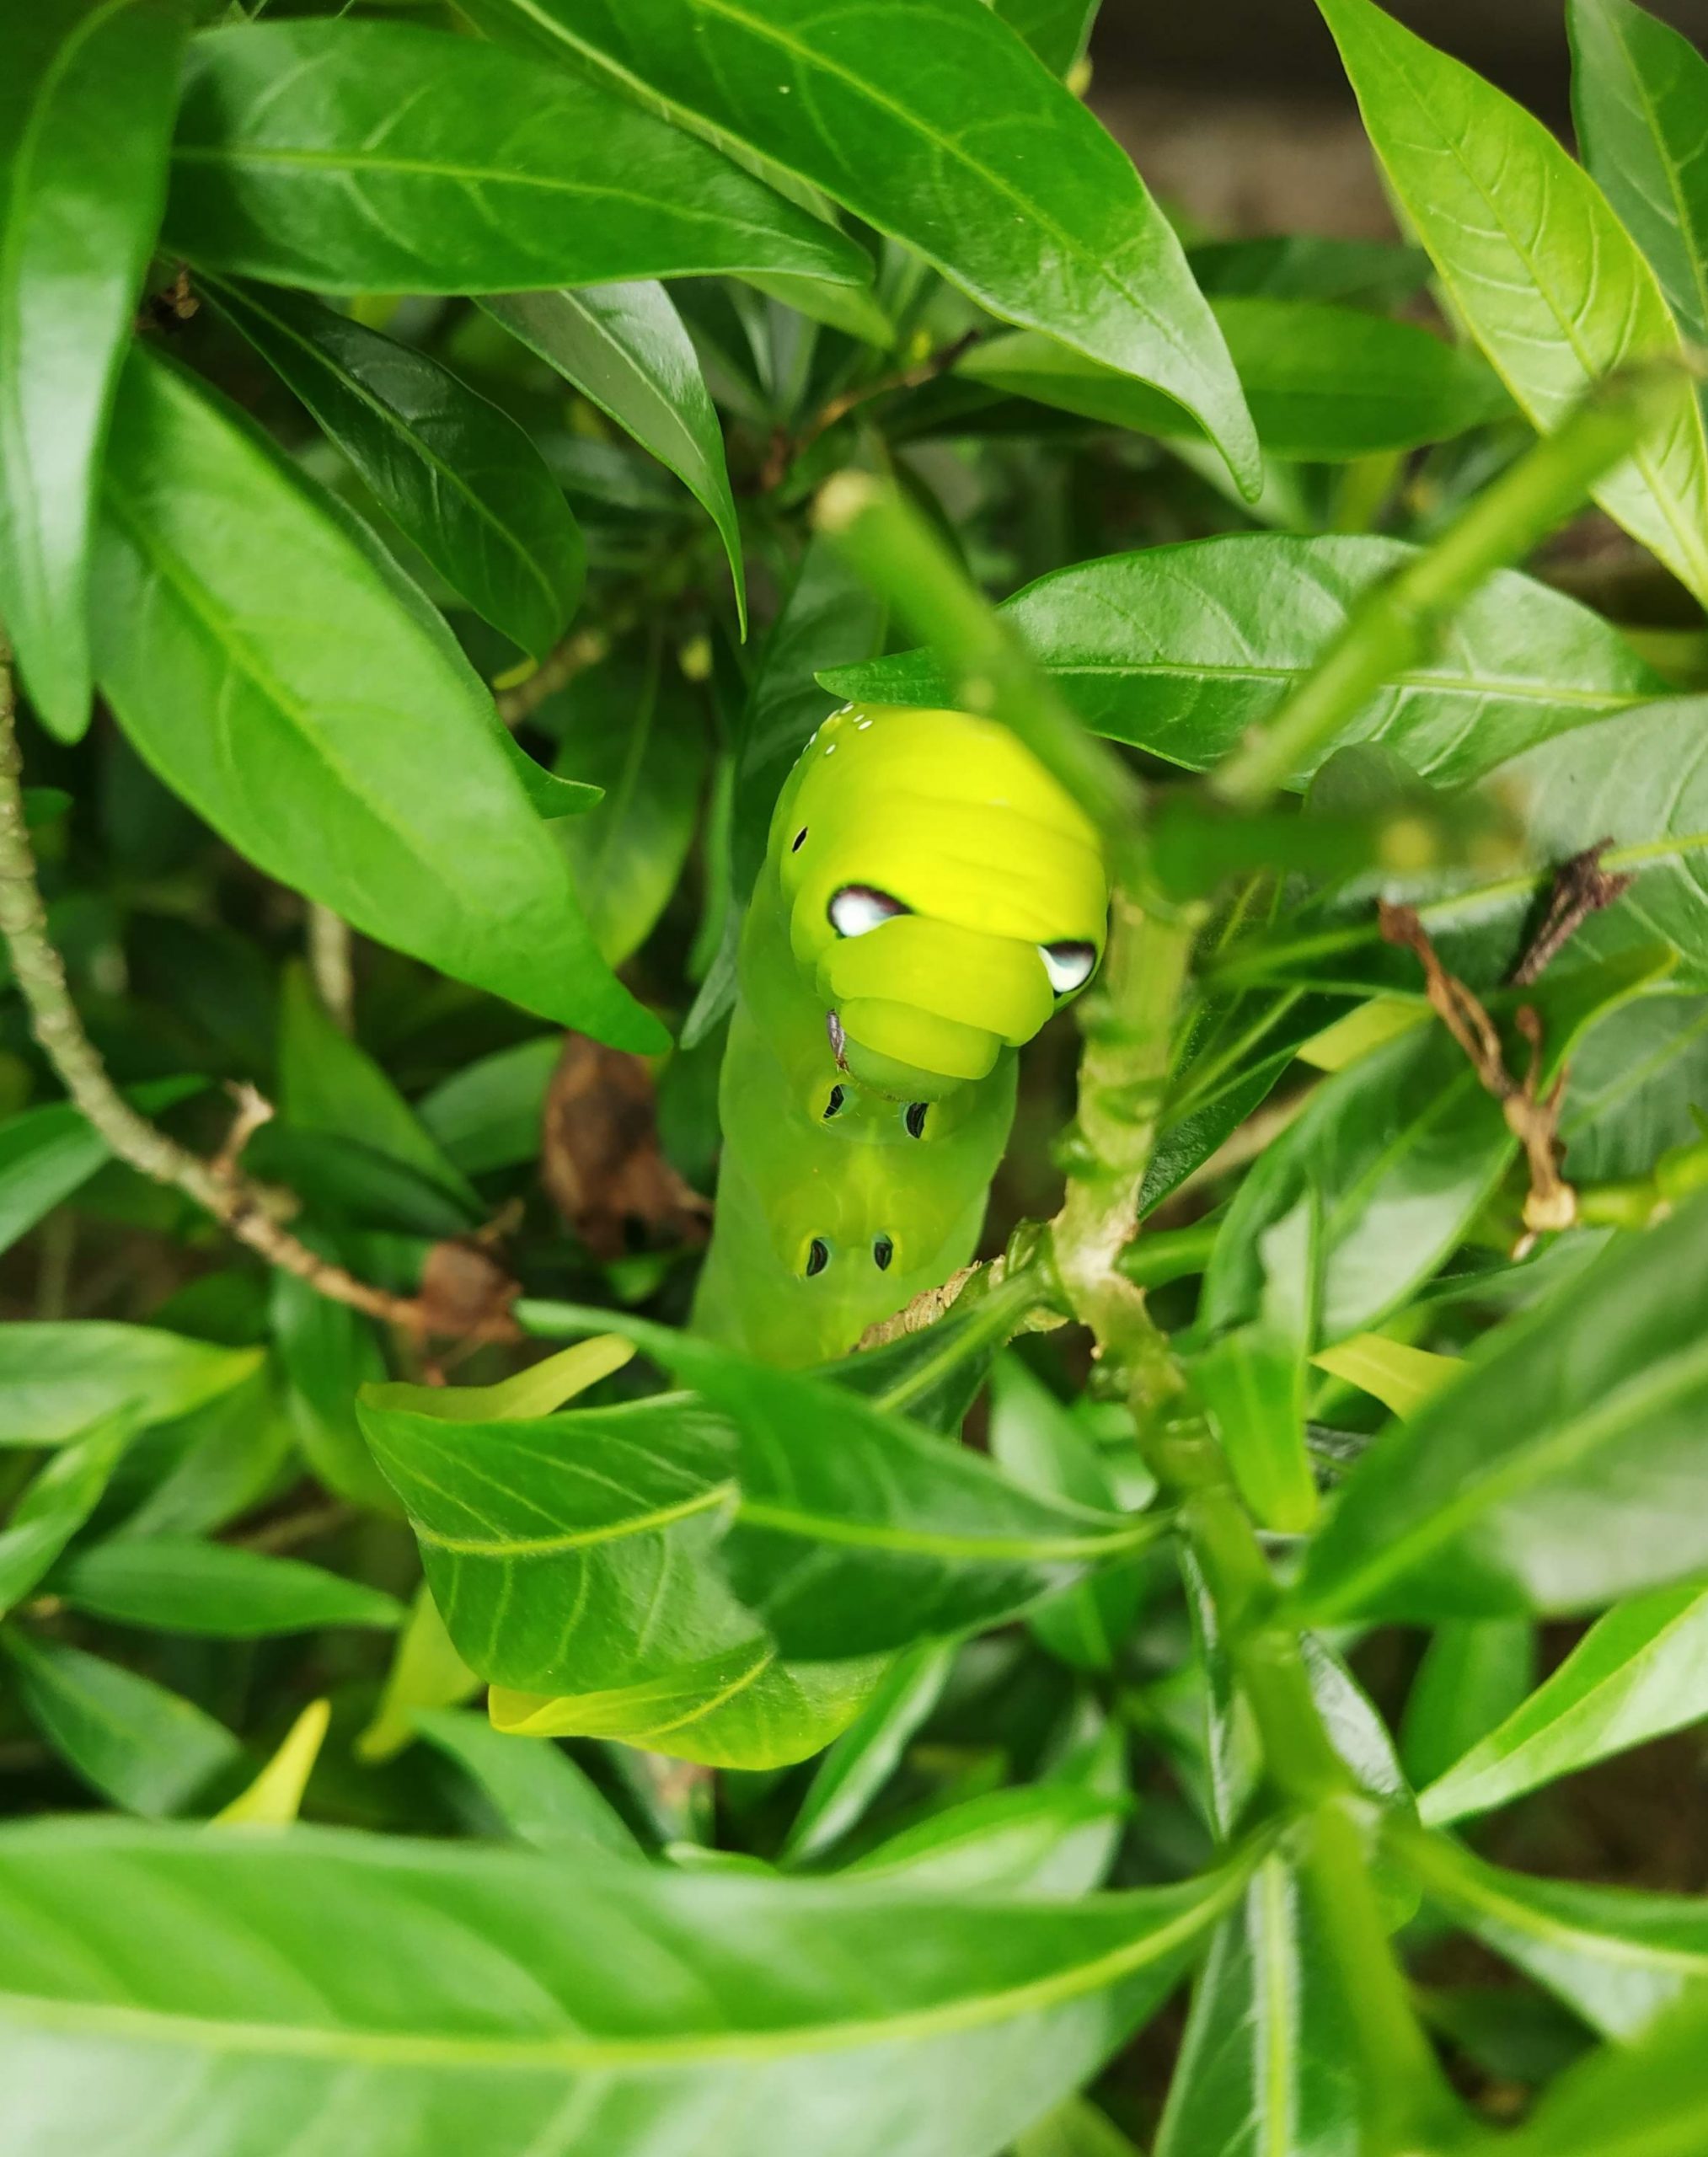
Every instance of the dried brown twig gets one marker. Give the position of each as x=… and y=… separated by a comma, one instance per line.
x=1532, y=1115
x=1580, y=887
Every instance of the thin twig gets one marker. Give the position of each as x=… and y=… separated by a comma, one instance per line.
x=1580, y=887
x=786, y=448
x=571, y=655
x=243, y=1208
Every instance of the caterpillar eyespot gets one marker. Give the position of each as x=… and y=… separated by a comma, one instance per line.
x=883, y=1250
x=857, y=908
x=817, y=1256
x=838, y=1094
x=800, y=840
x=915, y=1119
x=1069, y=965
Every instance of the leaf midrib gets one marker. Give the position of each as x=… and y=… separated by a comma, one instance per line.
x=574, y=2051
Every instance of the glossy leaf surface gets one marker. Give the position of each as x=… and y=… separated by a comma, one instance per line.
x=385, y=157
x=350, y=715
x=86, y=103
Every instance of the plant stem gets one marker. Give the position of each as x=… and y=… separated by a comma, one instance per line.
x=901, y=558
x=1394, y=627
x=329, y=964
x=238, y=1204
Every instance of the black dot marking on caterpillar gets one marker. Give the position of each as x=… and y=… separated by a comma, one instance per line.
x=1069, y=964
x=857, y=908
x=817, y=1256
x=915, y=1119
x=883, y=1250
x=800, y=840
x=838, y=1094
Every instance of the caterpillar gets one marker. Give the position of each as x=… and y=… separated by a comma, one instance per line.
x=929, y=896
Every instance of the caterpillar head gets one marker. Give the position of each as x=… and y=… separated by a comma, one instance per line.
x=945, y=894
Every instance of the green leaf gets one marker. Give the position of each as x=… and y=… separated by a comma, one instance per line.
x=48, y=1153
x=426, y=1671
x=464, y=1996
x=1181, y=650
x=354, y=156
x=1651, y=2101
x=625, y=347
x=1640, y=96
x=143, y=1748
x=1301, y=266
x=329, y=1083
x=58, y=1377
x=1400, y=1150
x=930, y=119
x=460, y=478
x=192, y=1475
x=1618, y=1955
x=639, y=732
x=1037, y=1444
x=538, y=1791
x=326, y=1350
x=175, y=1584
x=862, y=1760
x=699, y=1582
x=1267, y=2065
x=1535, y=262
x=1075, y=2129
x=1495, y=1497
x=1473, y=1674
x=1323, y=382
x=86, y=103
x=1634, y=1090
x=60, y=1496
x=1049, y=1840
x=487, y=1115
x=1640, y=1671
x=1252, y=1378
x=230, y=602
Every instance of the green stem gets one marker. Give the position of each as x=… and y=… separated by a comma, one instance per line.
x=1394, y=627
x=1165, y=1255
x=896, y=552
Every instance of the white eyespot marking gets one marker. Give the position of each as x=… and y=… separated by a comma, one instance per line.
x=856, y=909
x=830, y=749
x=1069, y=964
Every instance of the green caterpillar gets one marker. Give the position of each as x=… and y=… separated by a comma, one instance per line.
x=929, y=896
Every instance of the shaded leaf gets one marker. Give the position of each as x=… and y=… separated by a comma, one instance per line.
x=625, y=347
x=47, y=1153
x=143, y=1748
x=1553, y=1475
x=1640, y=96
x=1473, y=1674
x=175, y=1584
x=64, y=1492
x=538, y=1792
x=426, y=1671
x=86, y=103
x=967, y=150
x=862, y=1760
x=460, y=480
x=1323, y=382
x=1050, y=1840
x=487, y=1115
x=384, y=156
